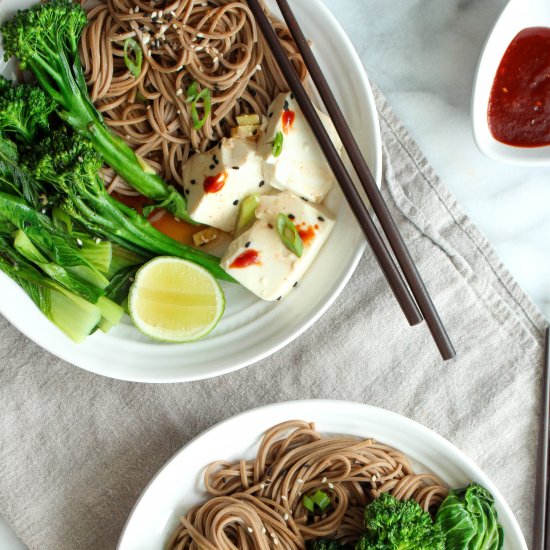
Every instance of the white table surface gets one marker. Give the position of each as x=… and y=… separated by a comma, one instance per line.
x=423, y=54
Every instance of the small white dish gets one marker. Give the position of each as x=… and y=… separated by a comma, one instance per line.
x=179, y=485
x=517, y=15
x=251, y=329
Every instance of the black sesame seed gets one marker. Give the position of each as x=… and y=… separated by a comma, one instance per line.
x=320, y=218
x=262, y=183
x=193, y=182
x=291, y=216
x=279, y=298
x=291, y=96
x=236, y=167
x=247, y=244
x=212, y=166
x=255, y=132
x=295, y=284
x=236, y=202
x=187, y=191
x=220, y=145
x=216, y=162
x=304, y=199
x=286, y=106
x=270, y=115
x=253, y=92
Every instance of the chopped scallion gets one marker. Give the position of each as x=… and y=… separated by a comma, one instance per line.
x=289, y=235
x=278, y=144
x=308, y=503
x=321, y=499
x=194, y=97
x=133, y=65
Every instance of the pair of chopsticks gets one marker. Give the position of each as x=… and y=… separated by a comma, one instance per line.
x=419, y=305
x=541, y=520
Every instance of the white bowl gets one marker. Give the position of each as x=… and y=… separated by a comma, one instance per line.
x=517, y=15
x=179, y=485
x=250, y=329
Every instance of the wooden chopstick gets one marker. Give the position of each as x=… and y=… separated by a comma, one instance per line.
x=392, y=274
x=376, y=199
x=541, y=519
x=384, y=258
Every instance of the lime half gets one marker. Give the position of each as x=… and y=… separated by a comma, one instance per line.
x=174, y=300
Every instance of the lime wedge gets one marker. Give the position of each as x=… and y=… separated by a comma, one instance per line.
x=174, y=300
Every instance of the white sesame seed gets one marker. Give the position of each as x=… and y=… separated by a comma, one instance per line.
x=149, y=53
x=331, y=485
x=285, y=517
x=324, y=480
x=43, y=210
x=179, y=113
x=250, y=530
x=153, y=15
x=299, y=480
x=98, y=240
x=148, y=107
x=130, y=11
x=215, y=59
x=273, y=535
x=264, y=530
x=174, y=26
x=204, y=4
x=79, y=242
x=258, y=68
x=179, y=91
x=136, y=9
x=374, y=477
x=200, y=35
x=262, y=486
x=284, y=497
x=275, y=541
x=160, y=13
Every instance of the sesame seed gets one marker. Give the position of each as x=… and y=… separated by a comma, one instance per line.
x=235, y=202
x=174, y=26
x=178, y=111
x=331, y=485
x=264, y=530
x=262, y=183
x=179, y=91
x=236, y=167
x=291, y=216
x=246, y=246
x=285, y=517
x=200, y=35
x=250, y=530
x=324, y=480
x=154, y=15
x=193, y=182
x=43, y=210
x=258, y=68
x=98, y=240
x=136, y=9
x=299, y=480
x=320, y=218
x=262, y=486
x=79, y=242
x=273, y=535
x=278, y=300
x=295, y=284
x=212, y=166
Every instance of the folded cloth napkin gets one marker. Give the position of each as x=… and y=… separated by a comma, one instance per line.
x=76, y=450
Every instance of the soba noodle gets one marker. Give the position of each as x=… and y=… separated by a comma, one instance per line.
x=258, y=504
x=214, y=43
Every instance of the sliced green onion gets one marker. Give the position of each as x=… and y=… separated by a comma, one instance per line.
x=308, y=503
x=193, y=97
x=133, y=66
x=247, y=210
x=321, y=499
x=289, y=235
x=278, y=144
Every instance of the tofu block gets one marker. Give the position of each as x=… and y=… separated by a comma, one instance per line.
x=215, y=182
x=259, y=260
x=301, y=166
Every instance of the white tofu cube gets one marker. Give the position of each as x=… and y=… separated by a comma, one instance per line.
x=301, y=166
x=217, y=181
x=259, y=260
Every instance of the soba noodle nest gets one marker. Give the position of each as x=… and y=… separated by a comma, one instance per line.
x=258, y=504
x=214, y=43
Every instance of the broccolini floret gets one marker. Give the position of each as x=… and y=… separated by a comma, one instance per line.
x=68, y=167
x=24, y=110
x=392, y=524
x=45, y=39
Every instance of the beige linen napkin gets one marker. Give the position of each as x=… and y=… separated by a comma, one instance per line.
x=76, y=450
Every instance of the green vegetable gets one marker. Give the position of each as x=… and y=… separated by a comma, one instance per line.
x=278, y=144
x=24, y=110
x=194, y=97
x=247, y=210
x=289, y=235
x=320, y=498
x=399, y=525
x=71, y=313
x=469, y=520
x=67, y=166
x=45, y=39
x=325, y=544
x=133, y=65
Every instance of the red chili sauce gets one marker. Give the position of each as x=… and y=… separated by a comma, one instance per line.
x=307, y=233
x=213, y=184
x=519, y=105
x=288, y=118
x=246, y=259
